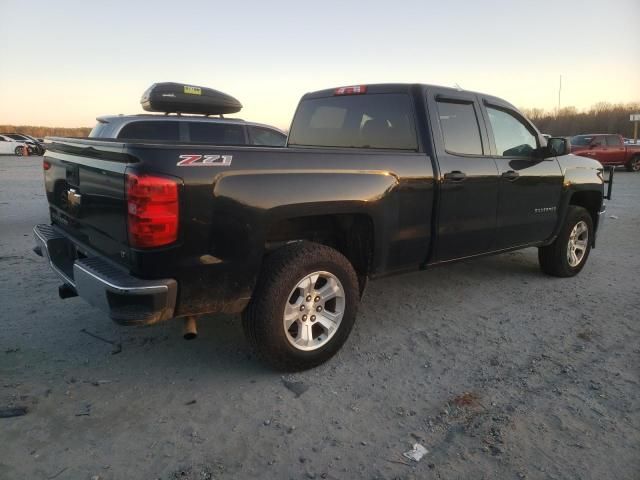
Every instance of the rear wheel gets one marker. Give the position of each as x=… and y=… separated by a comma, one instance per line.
x=634, y=164
x=567, y=255
x=19, y=151
x=303, y=307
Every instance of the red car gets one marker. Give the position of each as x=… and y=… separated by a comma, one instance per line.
x=607, y=149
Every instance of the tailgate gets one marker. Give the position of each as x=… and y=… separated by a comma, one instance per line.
x=85, y=185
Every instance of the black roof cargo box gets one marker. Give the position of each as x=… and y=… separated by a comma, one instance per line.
x=172, y=97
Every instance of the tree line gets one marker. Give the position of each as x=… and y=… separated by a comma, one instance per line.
x=602, y=117
x=41, y=132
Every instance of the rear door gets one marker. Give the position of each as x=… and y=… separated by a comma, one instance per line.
x=5, y=146
x=615, y=150
x=468, y=197
x=530, y=186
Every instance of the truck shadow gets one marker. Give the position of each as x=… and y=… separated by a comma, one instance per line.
x=221, y=347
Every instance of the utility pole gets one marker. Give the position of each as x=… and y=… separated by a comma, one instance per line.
x=559, y=92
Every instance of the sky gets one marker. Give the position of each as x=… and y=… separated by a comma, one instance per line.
x=66, y=62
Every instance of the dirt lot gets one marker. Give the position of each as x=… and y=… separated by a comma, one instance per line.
x=499, y=371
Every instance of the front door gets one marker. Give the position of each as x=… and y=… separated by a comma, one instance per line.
x=468, y=194
x=530, y=186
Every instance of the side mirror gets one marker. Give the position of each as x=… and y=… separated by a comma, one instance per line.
x=558, y=146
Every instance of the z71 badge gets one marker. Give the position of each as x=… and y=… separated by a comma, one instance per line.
x=205, y=160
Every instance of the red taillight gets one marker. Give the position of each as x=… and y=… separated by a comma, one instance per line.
x=352, y=90
x=152, y=210
x=46, y=165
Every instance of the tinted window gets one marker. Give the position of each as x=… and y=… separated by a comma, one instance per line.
x=614, y=140
x=16, y=137
x=218, y=133
x=460, y=129
x=99, y=131
x=358, y=121
x=266, y=137
x=159, y=130
x=512, y=137
x=581, y=140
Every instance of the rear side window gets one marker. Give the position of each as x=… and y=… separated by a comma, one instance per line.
x=218, y=133
x=355, y=121
x=614, y=141
x=160, y=130
x=266, y=137
x=460, y=129
x=100, y=130
x=513, y=138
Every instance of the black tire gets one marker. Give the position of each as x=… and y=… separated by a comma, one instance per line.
x=553, y=258
x=18, y=151
x=262, y=320
x=633, y=165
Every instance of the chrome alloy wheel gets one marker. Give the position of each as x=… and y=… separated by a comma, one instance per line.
x=314, y=310
x=578, y=241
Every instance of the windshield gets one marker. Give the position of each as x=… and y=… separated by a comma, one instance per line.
x=355, y=121
x=581, y=139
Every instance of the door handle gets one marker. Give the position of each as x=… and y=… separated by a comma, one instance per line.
x=510, y=175
x=455, y=176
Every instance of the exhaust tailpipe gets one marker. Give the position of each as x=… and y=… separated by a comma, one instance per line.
x=189, y=329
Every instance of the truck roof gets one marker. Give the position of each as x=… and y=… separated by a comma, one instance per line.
x=402, y=88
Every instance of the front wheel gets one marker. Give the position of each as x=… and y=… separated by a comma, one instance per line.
x=19, y=151
x=303, y=307
x=567, y=255
x=634, y=164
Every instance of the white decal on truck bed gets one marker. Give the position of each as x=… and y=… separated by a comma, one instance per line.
x=205, y=160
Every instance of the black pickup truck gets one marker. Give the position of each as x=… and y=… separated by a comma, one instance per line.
x=374, y=180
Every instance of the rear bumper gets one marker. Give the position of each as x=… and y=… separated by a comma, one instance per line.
x=128, y=300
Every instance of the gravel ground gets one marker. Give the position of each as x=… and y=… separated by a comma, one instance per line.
x=496, y=369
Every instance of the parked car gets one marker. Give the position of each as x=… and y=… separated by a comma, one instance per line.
x=631, y=141
x=201, y=130
x=375, y=180
x=35, y=147
x=607, y=149
x=11, y=146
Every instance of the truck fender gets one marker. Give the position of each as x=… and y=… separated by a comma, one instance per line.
x=581, y=186
x=254, y=200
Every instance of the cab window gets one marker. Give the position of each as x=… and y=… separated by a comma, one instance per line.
x=614, y=141
x=382, y=121
x=512, y=137
x=460, y=128
x=217, y=133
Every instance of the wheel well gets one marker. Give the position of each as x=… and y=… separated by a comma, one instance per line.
x=592, y=201
x=350, y=234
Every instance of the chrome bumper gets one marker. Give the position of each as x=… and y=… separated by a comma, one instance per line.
x=127, y=299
